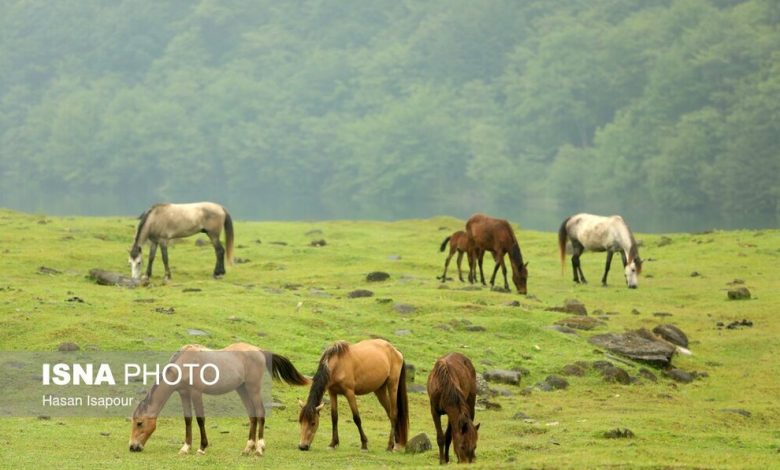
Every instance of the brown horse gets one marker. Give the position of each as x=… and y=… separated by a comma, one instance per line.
x=460, y=243
x=163, y=222
x=452, y=390
x=497, y=237
x=372, y=365
x=240, y=367
x=597, y=233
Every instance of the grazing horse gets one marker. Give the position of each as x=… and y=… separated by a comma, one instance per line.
x=452, y=390
x=163, y=222
x=497, y=237
x=597, y=233
x=460, y=243
x=372, y=365
x=240, y=366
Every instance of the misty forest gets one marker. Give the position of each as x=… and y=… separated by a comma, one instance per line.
x=665, y=111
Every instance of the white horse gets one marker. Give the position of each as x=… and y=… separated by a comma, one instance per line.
x=163, y=222
x=597, y=233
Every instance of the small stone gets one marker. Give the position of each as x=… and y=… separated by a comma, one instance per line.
x=616, y=374
x=619, y=433
x=512, y=303
x=475, y=328
x=68, y=346
x=165, y=310
x=580, y=322
x=635, y=311
x=738, y=411
x=520, y=415
x=416, y=388
x=696, y=274
x=196, y=332
x=418, y=444
x=403, y=332
x=573, y=369
x=646, y=374
x=679, y=375
x=191, y=289
x=503, y=376
x=556, y=383
x=672, y=334
x=383, y=300
x=404, y=308
x=318, y=243
x=202, y=242
x=575, y=306
x=740, y=293
x=360, y=293
x=377, y=276
x=394, y=257
x=410, y=371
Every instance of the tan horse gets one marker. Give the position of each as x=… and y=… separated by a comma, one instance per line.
x=497, y=237
x=161, y=223
x=460, y=243
x=241, y=368
x=452, y=390
x=597, y=233
x=357, y=369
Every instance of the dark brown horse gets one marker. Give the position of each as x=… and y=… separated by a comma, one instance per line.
x=240, y=367
x=163, y=222
x=357, y=369
x=452, y=390
x=497, y=237
x=459, y=243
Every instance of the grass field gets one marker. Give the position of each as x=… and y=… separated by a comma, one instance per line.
x=291, y=299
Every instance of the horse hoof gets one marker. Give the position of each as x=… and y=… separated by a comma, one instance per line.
x=185, y=449
x=201, y=452
x=219, y=276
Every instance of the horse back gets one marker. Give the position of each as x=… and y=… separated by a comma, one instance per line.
x=366, y=366
x=490, y=233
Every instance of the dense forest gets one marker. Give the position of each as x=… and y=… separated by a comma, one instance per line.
x=658, y=109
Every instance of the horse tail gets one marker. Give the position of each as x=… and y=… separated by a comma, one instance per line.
x=284, y=370
x=444, y=244
x=402, y=409
x=562, y=235
x=229, y=236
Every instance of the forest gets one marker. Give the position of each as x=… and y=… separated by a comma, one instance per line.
x=667, y=112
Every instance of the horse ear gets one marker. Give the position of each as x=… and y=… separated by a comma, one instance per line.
x=526, y=264
x=300, y=403
x=464, y=427
x=322, y=405
x=477, y=426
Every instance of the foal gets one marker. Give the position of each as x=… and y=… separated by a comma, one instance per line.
x=460, y=243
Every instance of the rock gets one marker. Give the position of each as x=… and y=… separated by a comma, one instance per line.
x=404, y=308
x=635, y=311
x=553, y=382
x=520, y=415
x=573, y=369
x=572, y=306
x=736, y=282
x=564, y=329
x=418, y=444
x=672, y=334
x=640, y=345
x=695, y=274
x=512, y=303
x=165, y=310
x=738, y=411
x=475, y=328
x=616, y=374
x=662, y=314
x=503, y=376
x=403, y=332
x=394, y=257
x=360, y=293
x=196, y=332
x=108, y=278
x=679, y=375
x=202, y=242
x=280, y=243
x=739, y=324
x=483, y=389
x=740, y=293
x=410, y=371
x=416, y=388
x=619, y=433
x=238, y=260
x=501, y=289
x=320, y=242
x=191, y=289
x=580, y=322
x=664, y=241
x=487, y=404
x=68, y=346
x=646, y=374
x=377, y=276
x=48, y=271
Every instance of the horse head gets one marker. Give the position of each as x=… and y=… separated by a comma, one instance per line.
x=632, y=270
x=309, y=419
x=520, y=278
x=136, y=261
x=142, y=428
x=465, y=440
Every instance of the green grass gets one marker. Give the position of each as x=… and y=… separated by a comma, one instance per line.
x=676, y=426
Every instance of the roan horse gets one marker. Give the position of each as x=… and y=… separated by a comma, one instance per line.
x=497, y=237
x=460, y=243
x=597, y=233
x=163, y=222
x=357, y=369
x=452, y=390
x=241, y=368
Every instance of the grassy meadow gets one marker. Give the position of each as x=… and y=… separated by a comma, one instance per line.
x=292, y=299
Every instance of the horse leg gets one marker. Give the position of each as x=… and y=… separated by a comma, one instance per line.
x=498, y=258
x=606, y=268
x=250, y=443
x=460, y=260
x=446, y=264
x=382, y=394
x=219, y=251
x=197, y=400
x=447, y=441
x=480, y=258
x=186, y=404
x=164, y=250
x=152, y=252
x=350, y=394
x=334, y=419
x=258, y=412
x=443, y=458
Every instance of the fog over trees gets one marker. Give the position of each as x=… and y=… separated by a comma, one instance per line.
x=667, y=112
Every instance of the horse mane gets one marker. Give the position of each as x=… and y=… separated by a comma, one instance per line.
x=633, y=250
x=143, y=218
x=143, y=404
x=451, y=395
x=322, y=376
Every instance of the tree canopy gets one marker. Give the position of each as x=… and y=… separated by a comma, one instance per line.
x=660, y=110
